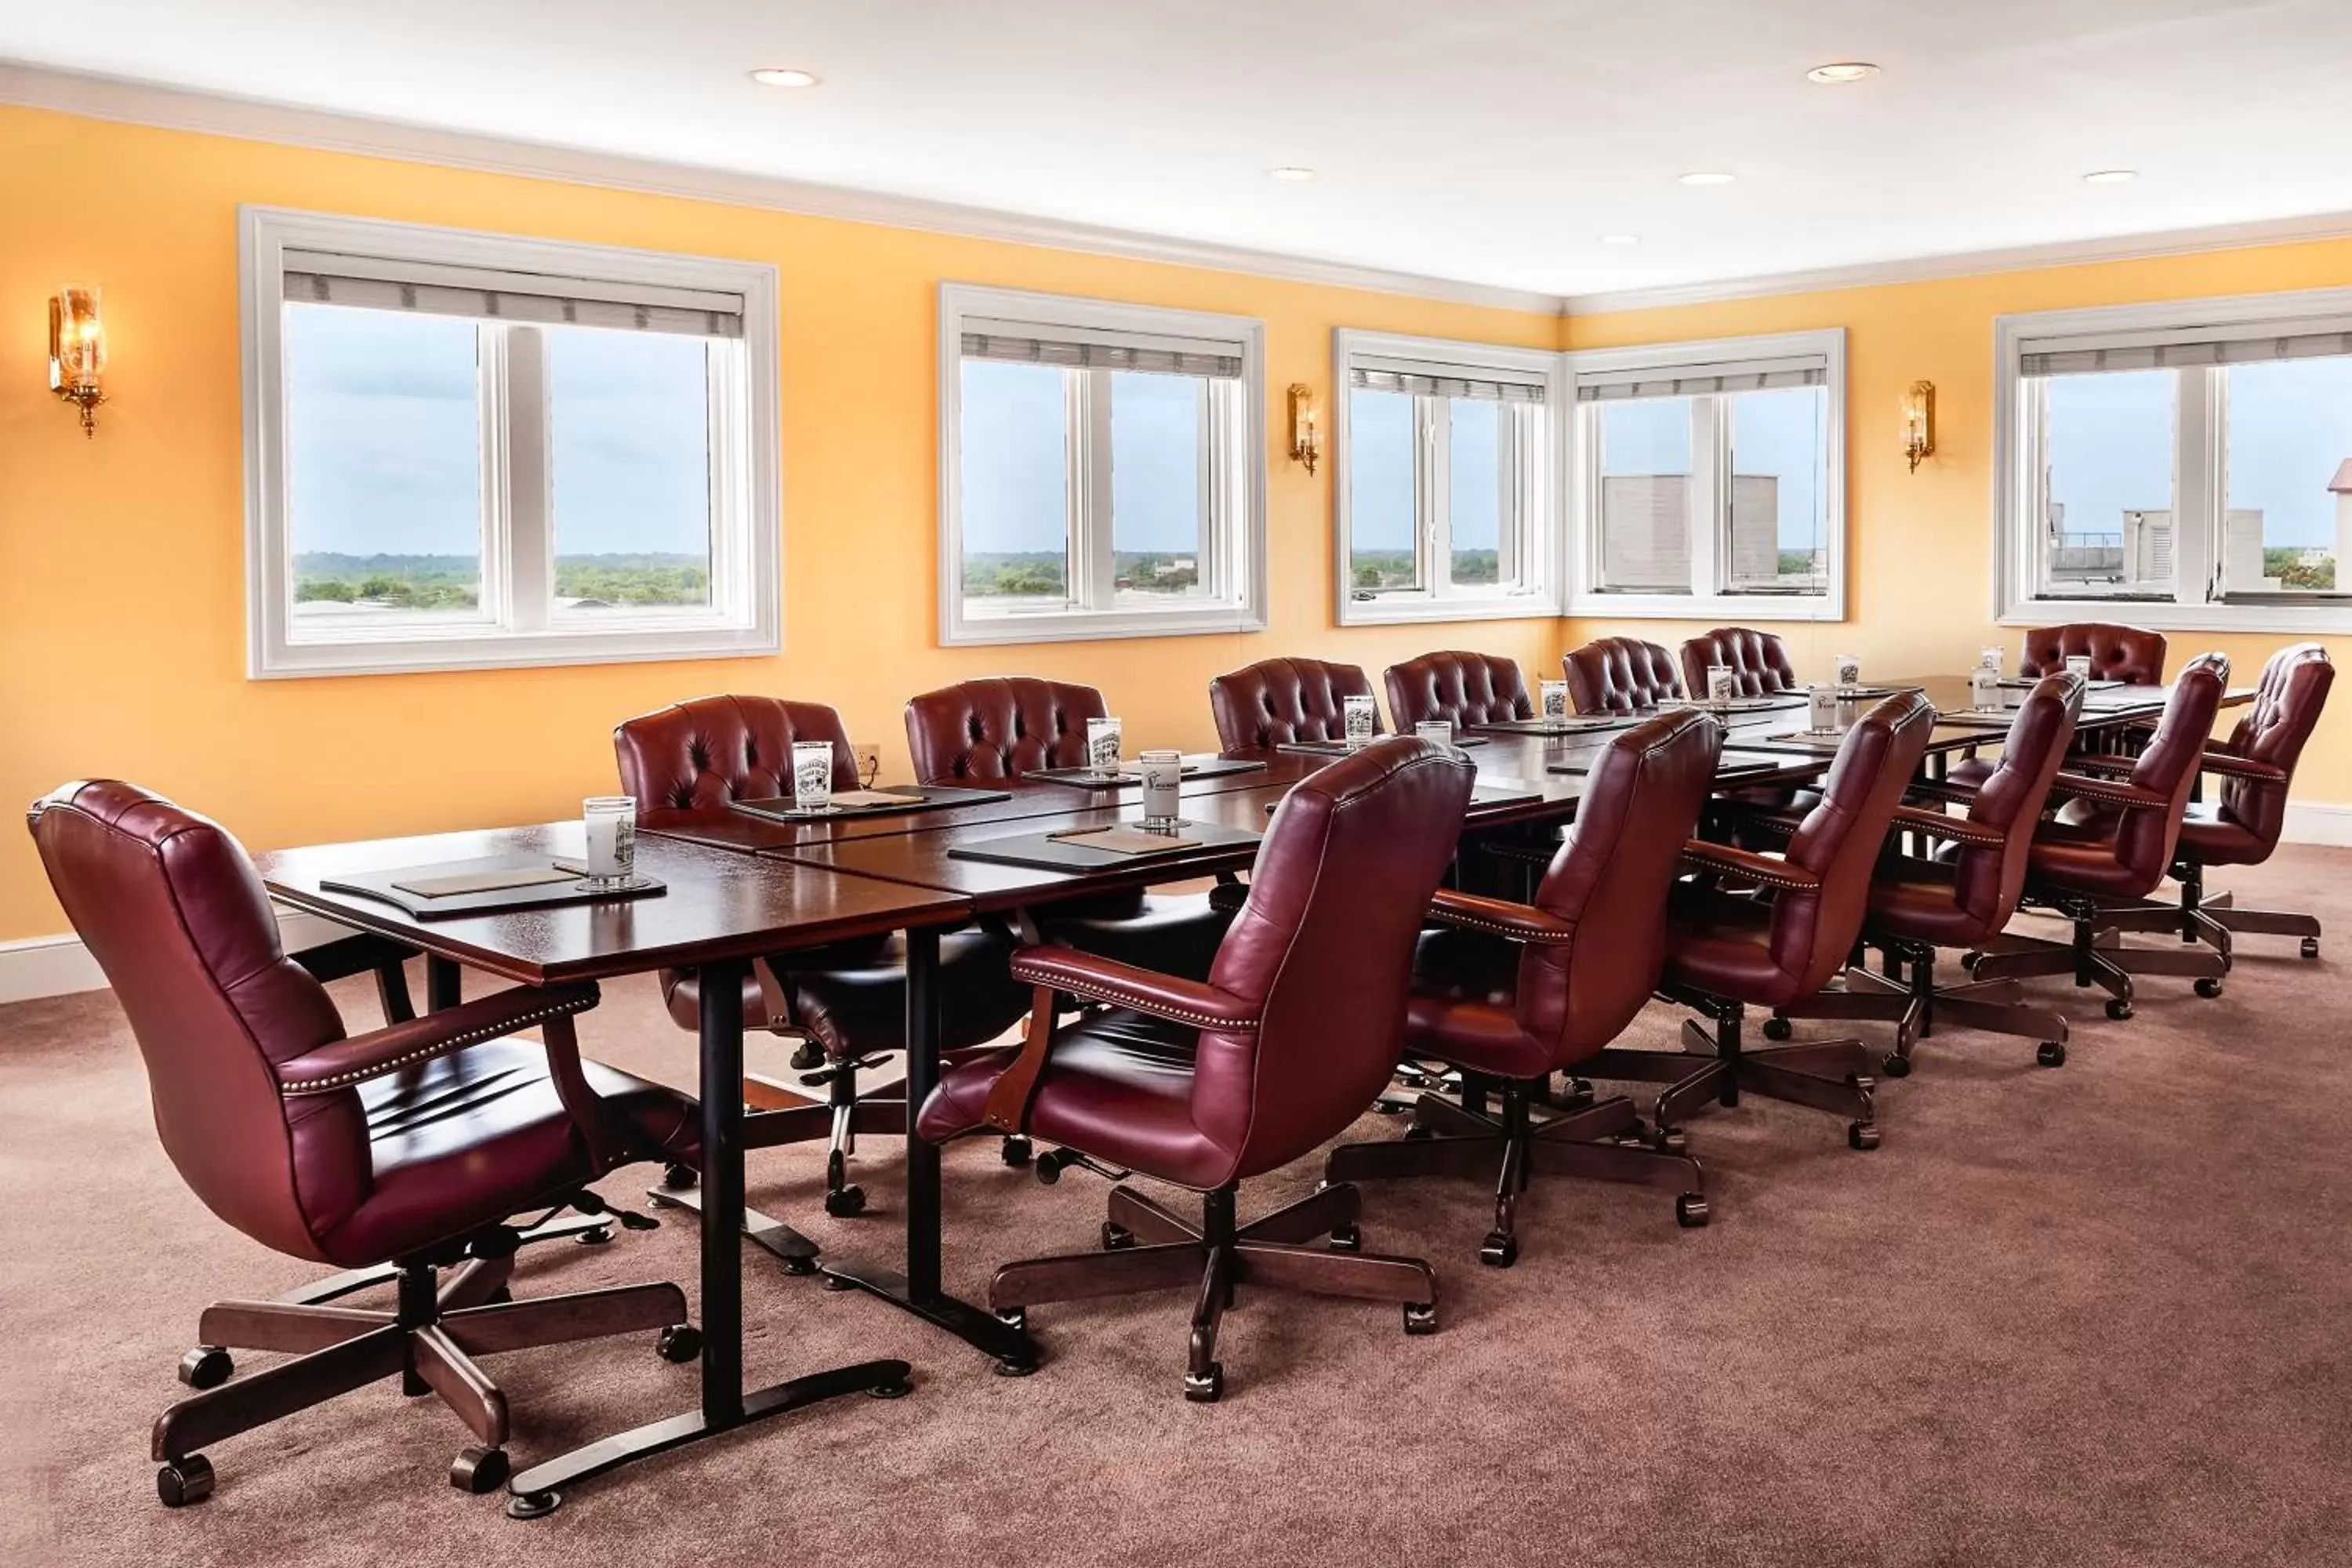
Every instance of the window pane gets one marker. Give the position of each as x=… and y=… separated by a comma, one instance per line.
x=1645, y=495
x=1158, y=490
x=1381, y=551
x=1778, y=448
x=629, y=444
x=1476, y=491
x=2290, y=454
x=1016, y=486
x=384, y=465
x=2110, y=455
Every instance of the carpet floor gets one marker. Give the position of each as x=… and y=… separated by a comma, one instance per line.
x=2089, y=1315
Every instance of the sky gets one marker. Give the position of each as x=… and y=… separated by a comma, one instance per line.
x=1776, y=433
x=1016, y=465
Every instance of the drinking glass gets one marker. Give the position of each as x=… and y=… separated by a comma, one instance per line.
x=1849, y=670
x=813, y=774
x=1358, y=716
x=1822, y=708
x=2079, y=666
x=1435, y=730
x=1721, y=685
x=1163, y=776
x=611, y=821
x=1989, y=658
x=1984, y=688
x=1555, y=697
x=1104, y=737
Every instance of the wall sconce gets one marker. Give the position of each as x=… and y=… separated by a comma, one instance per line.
x=1919, y=422
x=1306, y=441
x=78, y=352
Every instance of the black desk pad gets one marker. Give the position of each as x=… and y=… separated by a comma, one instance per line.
x=1045, y=852
x=1131, y=774
x=544, y=894
x=1502, y=792
x=1575, y=724
x=1729, y=770
x=1977, y=718
x=1803, y=741
x=1340, y=748
x=919, y=797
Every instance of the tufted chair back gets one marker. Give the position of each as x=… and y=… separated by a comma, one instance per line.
x=172, y=911
x=1985, y=881
x=1459, y=688
x=688, y=760
x=998, y=728
x=1620, y=675
x=2133, y=655
x=2171, y=765
x=1759, y=660
x=2287, y=706
x=1324, y=945
x=1278, y=701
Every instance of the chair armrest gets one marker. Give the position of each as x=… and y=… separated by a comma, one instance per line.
x=362, y=1057
x=1944, y=790
x=1959, y=829
x=2109, y=792
x=1125, y=986
x=1228, y=898
x=2235, y=766
x=2093, y=762
x=1500, y=917
x=1746, y=863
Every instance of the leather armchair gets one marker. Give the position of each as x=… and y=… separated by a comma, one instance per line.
x=2133, y=655
x=1513, y=993
x=994, y=731
x=1459, y=688
x=1782, y=943
x=1206, y=1083
x=1279, y=700
x=1620, y=675
x=1759, y=661
x=411, y=1144
x=685, y=763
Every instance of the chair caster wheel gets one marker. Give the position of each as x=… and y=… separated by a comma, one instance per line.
x=2050, y=1054
x=800, y=1268
x=1577, y=1096
x=896, y=1388
x=843, y=1202
x=1863, y=1134
x=1014, y=1366
x=1346, y=1238
x=2209, y=987
x=807, y=1056
x=1049, y=1170
x=534, y=1505
x=1499, y=1251
x=1014, y=1318
x=1205, y=1388
x=1421, y=1317
x=1416, y=1132
x=2311, y=947
x=1895, y=1065
x=1777, y=1028
x=206, y=1366
x=1690, y=1211
x=1969, y=960
x=1017, y=1151
x=1671, y=1140
x=480, y=1471
x=2119, y=1009
x=599, y=1237
x=184, y=1482
x=679, y=1344
x=1116, y=1237
x=679, y=1178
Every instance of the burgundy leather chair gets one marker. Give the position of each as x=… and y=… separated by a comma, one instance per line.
x=2110, y=847
x=683, y=764
x=1783, y=942
x=994, y=730
x=1759, y=661
x=1620, y=675
x=1205, y=1084
x=1459, y=688
x=411, y=1144
x=1279, y=700
x=1514, y=993
x=2133, y=655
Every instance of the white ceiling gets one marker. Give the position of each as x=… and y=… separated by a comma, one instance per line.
x=1489, y=142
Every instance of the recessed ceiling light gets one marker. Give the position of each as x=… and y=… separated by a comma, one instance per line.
x=1620, y=239
x=2110, y=176
x=1839, y=72
x=1291, y=172
x=773, y=76
x=1707, y=178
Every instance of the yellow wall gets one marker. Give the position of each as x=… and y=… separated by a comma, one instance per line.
x=122, y=585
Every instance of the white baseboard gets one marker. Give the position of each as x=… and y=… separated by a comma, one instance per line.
x=2317, y=822
x=61, y=965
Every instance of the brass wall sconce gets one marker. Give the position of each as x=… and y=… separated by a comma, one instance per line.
x=1306, y=440
x=78, y=353
x=1919, y=422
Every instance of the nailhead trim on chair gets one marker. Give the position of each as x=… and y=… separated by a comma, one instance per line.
x=1754, y=873
x=424, y=1053
x=1140, y=1004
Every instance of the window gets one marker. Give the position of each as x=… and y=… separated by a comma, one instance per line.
x=1102, y=469
x=1709, y=478
x=2192, y=459
x=467, y=450
x=1445, y=452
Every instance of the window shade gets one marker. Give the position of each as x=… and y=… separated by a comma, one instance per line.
x=318, y=277
x=1426, y=380
x=2180, y=348
x=1089, y=348
x=1699, y=380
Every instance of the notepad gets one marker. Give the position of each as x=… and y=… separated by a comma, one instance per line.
x=455, y=882
x=1123, y=840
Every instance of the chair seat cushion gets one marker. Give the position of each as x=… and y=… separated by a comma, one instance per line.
x=1918, y=900
x=2211, y=839
x=2084, y=865
x=1119, y=1085
x=467, y=1139
x=1722, y=945
x=1970, y=773
x=1173, y=933
x=1464, y=1007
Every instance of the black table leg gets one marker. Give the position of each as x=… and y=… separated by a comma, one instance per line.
x=444, y=983
x=537, y=1490
x=918, y=1291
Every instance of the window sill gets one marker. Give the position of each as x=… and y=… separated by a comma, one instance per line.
x=1741, y=609
x=507, y=650
x=2335, y=619
x=1400, y=610
x=1098, y=626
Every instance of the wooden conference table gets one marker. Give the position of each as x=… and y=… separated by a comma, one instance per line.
x=745, y=887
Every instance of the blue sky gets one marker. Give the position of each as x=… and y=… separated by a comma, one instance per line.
x=1776, y=433
x=1016, y=467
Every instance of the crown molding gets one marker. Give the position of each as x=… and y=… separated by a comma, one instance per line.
x=1971, y=264
x=254, y=120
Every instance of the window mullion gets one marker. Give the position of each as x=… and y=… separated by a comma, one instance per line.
x=2197, y=532
x=1436, y=499
x=1710, y=523
x=528, y=553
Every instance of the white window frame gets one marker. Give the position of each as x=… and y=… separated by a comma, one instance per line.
x=516, y=627
x=1711, y=498
x=2200, y=477
x=1529, y=528
x=1234, y=544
